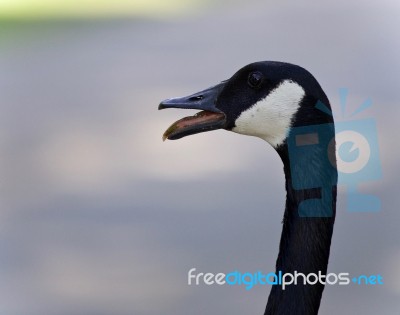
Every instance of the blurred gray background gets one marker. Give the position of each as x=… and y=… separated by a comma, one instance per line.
x=99, y=216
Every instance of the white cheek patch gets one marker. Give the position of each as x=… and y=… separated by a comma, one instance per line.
x=271, y=118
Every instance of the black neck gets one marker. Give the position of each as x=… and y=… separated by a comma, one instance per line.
x=306, y=237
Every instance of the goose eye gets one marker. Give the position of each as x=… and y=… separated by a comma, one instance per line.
x=255, y=79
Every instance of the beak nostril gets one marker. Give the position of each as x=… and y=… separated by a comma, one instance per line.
x=196, y=98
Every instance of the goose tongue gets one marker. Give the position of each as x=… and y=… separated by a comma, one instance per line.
x=201, y=122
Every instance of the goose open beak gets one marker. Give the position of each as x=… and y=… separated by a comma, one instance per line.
x=210, y=117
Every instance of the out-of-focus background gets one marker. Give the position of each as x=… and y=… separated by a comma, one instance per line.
x=99, y=216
